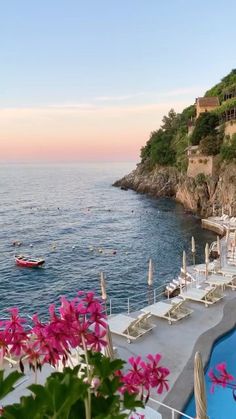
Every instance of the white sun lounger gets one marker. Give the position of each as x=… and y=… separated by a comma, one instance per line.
x=222, y=281
x=129, y=327
x=206, y=296
x=228, y=271
x=201, y=268
x=170, y=311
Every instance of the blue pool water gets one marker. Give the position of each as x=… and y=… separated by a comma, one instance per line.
x=61, y=212
x=221, y=404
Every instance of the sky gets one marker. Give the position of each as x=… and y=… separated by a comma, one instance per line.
x=89, y=80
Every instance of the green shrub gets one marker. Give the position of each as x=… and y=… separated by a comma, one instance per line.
x=210, y=145
x=200, y=179
x=228, y=151
x=205, y=125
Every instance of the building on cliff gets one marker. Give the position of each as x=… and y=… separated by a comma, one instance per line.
x=208, y=165
x=199, y=163
x=228, y=114
x=206, y=104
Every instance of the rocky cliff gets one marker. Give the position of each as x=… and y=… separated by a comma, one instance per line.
x=201, y=195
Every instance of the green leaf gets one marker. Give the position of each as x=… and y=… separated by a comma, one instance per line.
x=7, y=384
x=27, y=408
x=103, y=366
x=130, y=401
x=105, y=406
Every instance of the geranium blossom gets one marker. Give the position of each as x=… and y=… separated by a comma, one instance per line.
x=144, y=375
x=79, y=326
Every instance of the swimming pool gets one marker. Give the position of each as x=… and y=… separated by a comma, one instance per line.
x=221, y=404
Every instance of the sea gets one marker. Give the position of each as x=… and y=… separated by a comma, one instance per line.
x=72, y=216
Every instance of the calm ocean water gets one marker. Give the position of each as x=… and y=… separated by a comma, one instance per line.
x=66, y=213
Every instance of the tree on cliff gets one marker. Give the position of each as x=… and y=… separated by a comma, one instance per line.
x=158, y=149
x=161, y=150
x=205, y=125
x=169, y=122
x=166, y=146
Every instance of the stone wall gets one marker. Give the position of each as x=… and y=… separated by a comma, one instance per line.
x=203, y=109
x=230, y=128
x=202, y=164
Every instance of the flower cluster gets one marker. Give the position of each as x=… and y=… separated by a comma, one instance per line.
x=78, y=326
x=142, y=376
x=80, y=323
x=221, y=378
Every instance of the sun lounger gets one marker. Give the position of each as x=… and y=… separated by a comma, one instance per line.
x=228, y=271
x=143, y=321
x=222, y=281
x=201, y=268
x=129, y=327
x=206, y=296
x=170, y=311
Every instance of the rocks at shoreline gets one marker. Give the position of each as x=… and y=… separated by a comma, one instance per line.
x=158, y=182
x=200, y=195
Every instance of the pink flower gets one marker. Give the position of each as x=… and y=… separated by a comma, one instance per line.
x=81, y=323
x=144, y=376
x=14, y=335
x=96, y=341
x=95, y=383
x=136, y=373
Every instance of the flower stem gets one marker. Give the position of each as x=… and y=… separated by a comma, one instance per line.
x=88, y=404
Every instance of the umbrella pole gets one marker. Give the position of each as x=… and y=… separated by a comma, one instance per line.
x=207, y=258
x=193, y=250
x=199, y=388
x=194, y=255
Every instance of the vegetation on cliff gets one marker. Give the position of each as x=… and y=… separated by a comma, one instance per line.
x=225, y=84
x=167, y=145
x=228, y=149
x=207, y=135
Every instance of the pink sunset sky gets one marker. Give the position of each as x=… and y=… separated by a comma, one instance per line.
x=79, y=132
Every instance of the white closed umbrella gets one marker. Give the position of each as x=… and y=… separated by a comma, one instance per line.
x=234, y=243
x=184, y=268
x=227, y=235
x=199, y=388
x=150, y=273
x=109, y=350
x=103, y=286
x=193, y=250
x=207, y=258
x=219, y=249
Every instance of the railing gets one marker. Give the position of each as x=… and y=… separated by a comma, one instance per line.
x=173, y=412
x=135, y=302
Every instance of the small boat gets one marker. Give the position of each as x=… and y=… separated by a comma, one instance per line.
x=28, y=262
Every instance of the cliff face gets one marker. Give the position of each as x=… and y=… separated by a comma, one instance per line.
x=161, y=181
x=200, y=196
